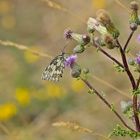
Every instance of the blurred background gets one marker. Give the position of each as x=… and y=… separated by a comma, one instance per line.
x=28, y=105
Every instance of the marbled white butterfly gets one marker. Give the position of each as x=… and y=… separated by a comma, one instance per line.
x=55, y=69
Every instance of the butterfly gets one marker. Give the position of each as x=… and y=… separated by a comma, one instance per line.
x=55, y=69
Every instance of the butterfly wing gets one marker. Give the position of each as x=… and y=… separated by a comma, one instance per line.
x=55, y=69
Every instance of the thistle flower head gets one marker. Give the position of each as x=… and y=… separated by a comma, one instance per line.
x=103, y=17
x=93, y=24
x=67, y=34
x=80, y=38
x=109, y=40
x=79, y=49
x=138, y=38
x=134, y=5
x=138, y=60
x=70, y=60
x=134, y=13
x=86, y=39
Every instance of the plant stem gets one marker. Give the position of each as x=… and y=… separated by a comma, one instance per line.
x=138, y=82
x=133, y=83
x=107, y=103
x=129, y=38
x=132, y=80
x=108, y=55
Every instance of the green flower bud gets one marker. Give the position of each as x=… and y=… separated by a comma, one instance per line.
x=81, y=39
x=112, y=30
x=90, y=30
x=93, y=24
x=131, y=62
x=110, y=42
x=103, y=17
x=99, y=41
x=79, y=49
x=85, y=70
x=134, y=13
x=133, y=26
x=134, y=6
x=76, y=70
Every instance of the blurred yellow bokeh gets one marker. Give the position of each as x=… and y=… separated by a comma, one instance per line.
x=55, y=91
x=99, y=3
x=30, y=57
x=77, y=85
x=8, y=22
x=5, y=7
x=22, y=96
x=7, y=111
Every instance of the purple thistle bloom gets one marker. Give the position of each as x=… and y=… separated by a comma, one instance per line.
x=138, y=38
x=67, y=34
x=138, y=59
x=70, y=60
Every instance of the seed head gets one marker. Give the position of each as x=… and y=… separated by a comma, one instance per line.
x=134, y=5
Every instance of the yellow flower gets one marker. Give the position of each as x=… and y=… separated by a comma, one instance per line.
x=8, y=22
x=7, y=111
x=99, y=4
x=77, y=85
x=22, y=96
x=55, y=91
x=30, y=57
x=5, y=6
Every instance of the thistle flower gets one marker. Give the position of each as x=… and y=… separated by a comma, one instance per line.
x=70, y=60
x=75, y=68
x=99, y=41
x=134, y=13
x=93, y=24
x=82, y=39
x=138, y=60
x=75, y=71
x=103, y=17
x=67, y=34
x=109, y=41
x=133, y=26
x=138, y=38
x=79, y=49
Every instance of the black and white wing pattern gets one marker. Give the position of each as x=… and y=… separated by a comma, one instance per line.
x=55, y=69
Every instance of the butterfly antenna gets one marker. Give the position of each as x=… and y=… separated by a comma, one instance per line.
x=63, y=50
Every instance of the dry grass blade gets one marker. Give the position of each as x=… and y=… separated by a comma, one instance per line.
x=111, y=86
x=55, y=5
x=58, y=6
x=24, y=48
x=122, y=5
x=76, y=127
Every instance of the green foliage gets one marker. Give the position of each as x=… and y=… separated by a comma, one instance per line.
x=120, y=131
x=127, y=109
x=136, y=92
x=91, y=91
x=118, y=68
